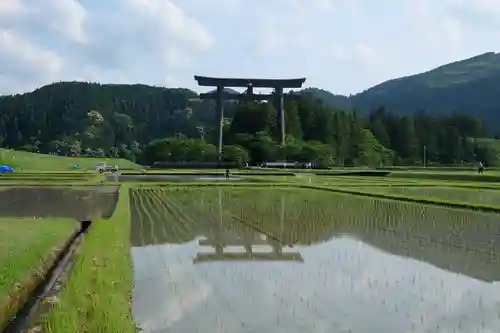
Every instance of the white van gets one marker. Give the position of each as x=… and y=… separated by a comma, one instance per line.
x=103, y=167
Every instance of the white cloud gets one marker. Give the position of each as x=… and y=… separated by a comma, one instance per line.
x=338, y=52
x=10, y=7
x=138, y=40
x=62, y=18
x=23, y=59
x=435, y=22
x=66, y=17
x=158, y=41
x=171, y=22
x=368, y=55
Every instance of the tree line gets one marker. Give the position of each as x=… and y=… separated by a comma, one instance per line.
x=151, y=124
x=326, y=136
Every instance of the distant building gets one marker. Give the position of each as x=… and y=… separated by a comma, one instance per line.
x=281, y=164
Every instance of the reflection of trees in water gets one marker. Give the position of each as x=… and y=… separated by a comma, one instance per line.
x=304, y=217
x=78, y=202
x=158, y=218
x=224, y=241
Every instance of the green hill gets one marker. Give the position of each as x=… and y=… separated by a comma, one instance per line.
x=471, y=86
x=93, y=119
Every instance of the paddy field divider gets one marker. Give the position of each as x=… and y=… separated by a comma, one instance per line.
x=97, y=296
x=19, y=297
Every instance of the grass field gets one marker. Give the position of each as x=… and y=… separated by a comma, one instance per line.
x=27, y=249
x=31, y=162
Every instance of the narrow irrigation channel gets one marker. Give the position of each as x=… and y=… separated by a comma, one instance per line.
x=38, y=301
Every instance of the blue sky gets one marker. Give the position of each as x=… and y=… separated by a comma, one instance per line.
x=344, y=46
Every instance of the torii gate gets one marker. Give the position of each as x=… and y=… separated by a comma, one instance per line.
x=277, y=84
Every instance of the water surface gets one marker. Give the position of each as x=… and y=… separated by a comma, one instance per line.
x=467, y=195
x=212, y=268
x=76, y=202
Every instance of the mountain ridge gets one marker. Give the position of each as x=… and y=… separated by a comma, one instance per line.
x=470, y=85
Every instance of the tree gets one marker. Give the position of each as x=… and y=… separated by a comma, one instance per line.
x=237, y=154
x=317, y=152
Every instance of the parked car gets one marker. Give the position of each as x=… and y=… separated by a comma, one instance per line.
x=103, y=167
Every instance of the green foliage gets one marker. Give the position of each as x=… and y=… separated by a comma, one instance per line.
x=236, y=154
x=74, y=118
x=327, y=136
x=82, y=119
x=179, y=150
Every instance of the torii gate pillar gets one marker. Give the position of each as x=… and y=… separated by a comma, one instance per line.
x=280, y=108
x=220, y=119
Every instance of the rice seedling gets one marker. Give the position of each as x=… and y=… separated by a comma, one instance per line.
x=318, y=261
x=453, y=194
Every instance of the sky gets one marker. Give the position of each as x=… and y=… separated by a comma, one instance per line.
x=344, y=46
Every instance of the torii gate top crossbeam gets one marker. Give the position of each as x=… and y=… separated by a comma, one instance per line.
x=242, y=82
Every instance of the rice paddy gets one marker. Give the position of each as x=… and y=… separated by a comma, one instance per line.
x=234, y=259
x=470, y=195
x=249, y=257
x=27, y=248
x=75, y=202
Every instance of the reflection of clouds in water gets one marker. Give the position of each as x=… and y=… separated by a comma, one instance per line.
x=155, y=310
x=370, y=281
x=344, y=284
x=165, y=291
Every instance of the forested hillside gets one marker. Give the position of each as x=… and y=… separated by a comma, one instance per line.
x=471, y=86
x=159, y=124
x=80, y=118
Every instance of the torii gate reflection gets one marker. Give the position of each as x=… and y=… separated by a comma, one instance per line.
x=224, y=241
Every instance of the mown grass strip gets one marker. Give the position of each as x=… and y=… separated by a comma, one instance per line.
x=98, y=294
x=28, y=248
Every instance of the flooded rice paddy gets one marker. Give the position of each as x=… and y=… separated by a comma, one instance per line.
x=178, y=178
x=467, y=195
x=276, y=260
x=75, y=202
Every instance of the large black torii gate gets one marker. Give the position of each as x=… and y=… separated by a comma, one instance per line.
x=220, y=94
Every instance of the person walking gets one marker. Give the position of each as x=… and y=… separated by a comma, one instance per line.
x=480, y=168
x=228, y=173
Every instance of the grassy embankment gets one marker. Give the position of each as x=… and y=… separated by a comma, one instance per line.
x=98, y=294
x=28, y=249
x=80, y=178
x=31, y=162
x=34, y=169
